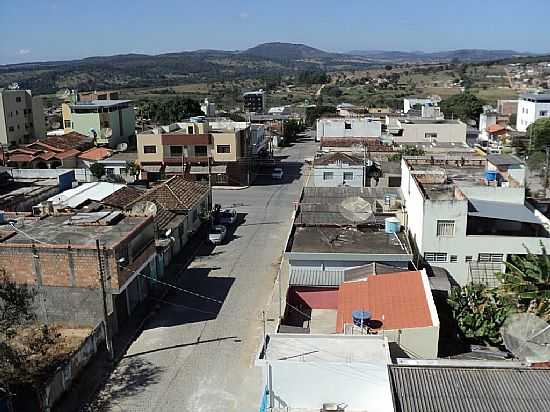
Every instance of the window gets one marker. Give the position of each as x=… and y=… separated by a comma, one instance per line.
x=435, y=257
x=347, y=125
x=348, y=176
x=446, y=228
x=67, y=124
x=454, y=258
x=176, y=150
x=18, y=99
x=150, y=149
x=490, y=257
x=16, y=112
x=468, y=259
x=190, y=130
x=200, y=151
x=328, y=175
x=109, y=171
x=221, y=178
x=543, y=113
x=11, y=129
x=430, y=136
x=223, y=148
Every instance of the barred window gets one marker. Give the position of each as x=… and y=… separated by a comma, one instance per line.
x=490, y=257
x=446, y=228
x=435, y=257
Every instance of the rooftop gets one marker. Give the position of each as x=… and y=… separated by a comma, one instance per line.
x=462, y=389
x=123, y=197
x=337, y=157
x=430, y=121
x=81, y=194
x=81, y=229
x=397, y=300
x=348, y=240
x=96, y=153
x=88, y=104
x=503, y=160
x=536, y=97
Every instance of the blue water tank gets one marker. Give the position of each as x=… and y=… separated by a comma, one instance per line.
x=491, y=175
x=360, y=317
x=392, y=225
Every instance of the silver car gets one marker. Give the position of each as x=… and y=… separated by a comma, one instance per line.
x=228, y=217
x=217, y=234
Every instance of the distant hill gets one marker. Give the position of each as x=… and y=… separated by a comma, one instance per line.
x=443, y=56
x=286, y=51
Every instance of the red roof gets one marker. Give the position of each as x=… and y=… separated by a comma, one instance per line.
x=399, y=297
x=97, y=153
x=496, y=128
x=319, y=298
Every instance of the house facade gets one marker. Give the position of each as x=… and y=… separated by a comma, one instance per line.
x=359, y=127
x=338, y=169
x=430, y=131
x=531, y=107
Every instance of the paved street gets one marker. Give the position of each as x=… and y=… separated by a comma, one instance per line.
x=196, y=354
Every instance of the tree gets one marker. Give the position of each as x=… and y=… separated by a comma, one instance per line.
x=466, y=106
x=526, y=283
x=539, y=134
x=23, y=345
x=97, y=170
x=171, y=110
x=309, y=77
x=479, y=312
x=132, y=168
x=333, y=91
x=408, y=150
x=314, y=113
x=292, y=129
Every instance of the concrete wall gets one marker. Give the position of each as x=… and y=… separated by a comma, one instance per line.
x=419, y=343
x=529, y=112
x=446, y=132
x=360, y=127
x=229, y=138
x=338, y=171
x=307, y=385
x=414, y=202
x=150, y=139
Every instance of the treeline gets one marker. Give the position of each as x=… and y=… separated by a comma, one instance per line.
x=312, y=77
x=171, y=110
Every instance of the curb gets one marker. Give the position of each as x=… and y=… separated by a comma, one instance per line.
x=230, y=187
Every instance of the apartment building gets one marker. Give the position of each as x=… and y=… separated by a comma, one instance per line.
x=531, y=107
x=109, y=122
x=21, y=117
x=220, y=152
x=467, y=215
x=255, y=102
x=412, y=101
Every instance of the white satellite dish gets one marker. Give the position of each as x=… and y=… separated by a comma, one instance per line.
x=107, y=132
x=121, y=147
x=527, y=336
x=356, y=209
x=144, y=209
x=93, y=134
x=56, y=125
x=63, y=94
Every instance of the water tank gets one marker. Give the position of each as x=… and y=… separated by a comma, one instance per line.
x=360, y=317
x=491, y=175
x=392, y=225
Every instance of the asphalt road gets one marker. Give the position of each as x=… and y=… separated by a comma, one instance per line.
x=197, y=352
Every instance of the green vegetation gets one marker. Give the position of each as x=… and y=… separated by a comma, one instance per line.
x=466, y=106
x=97, y=170
x=314, y=113
x=407, y=150
x=333, y=91
x=524, y=287
x=309, y=77
x=293, y=128
x=539, y=134
x=171, y=110
x=132, y=168
x=23, y=346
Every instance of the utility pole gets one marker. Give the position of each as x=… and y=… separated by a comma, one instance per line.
x=108, y=337
x=547, y=149
x=364, y=163
x=269, y=375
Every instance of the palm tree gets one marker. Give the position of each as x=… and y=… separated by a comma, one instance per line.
x=526, y=283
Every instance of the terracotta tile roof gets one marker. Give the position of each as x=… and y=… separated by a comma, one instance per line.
x=177, y=193
x=338, y=157
x=496, y=128
x=399, y=297
x=97, y=153
x=67, y=141
x=122, y=197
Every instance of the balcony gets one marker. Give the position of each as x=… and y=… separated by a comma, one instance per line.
x=186, y=159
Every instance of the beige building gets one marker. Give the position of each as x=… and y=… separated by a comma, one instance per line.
x=199, y=150
x=21, y=117
x=430, y=131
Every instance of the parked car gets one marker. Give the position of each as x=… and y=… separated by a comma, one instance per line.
x=228, y=217
x=217, y=234
x=277, y=173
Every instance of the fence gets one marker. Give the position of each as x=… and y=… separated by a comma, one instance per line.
x=64, y=376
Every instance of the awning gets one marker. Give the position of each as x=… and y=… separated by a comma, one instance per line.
x=151, y=169
x=173, y=169
x=203, y=170
x=501, y=210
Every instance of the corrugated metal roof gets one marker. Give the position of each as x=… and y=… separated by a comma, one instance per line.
x=88, y=191
x=502, y=210
x=503, y=159
x=453, y=389
x=310, y=276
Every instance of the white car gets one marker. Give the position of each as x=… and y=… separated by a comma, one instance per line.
x=217, y=234
x=277, y=173
x=228, y=217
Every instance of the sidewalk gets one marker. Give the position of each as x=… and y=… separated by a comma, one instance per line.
x=98, y=371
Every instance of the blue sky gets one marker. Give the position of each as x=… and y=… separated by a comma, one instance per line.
x=61, y=29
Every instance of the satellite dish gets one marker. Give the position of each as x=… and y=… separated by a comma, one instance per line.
x=356, y=209
x=63, y=94
x=56, y=125
x=146, y=208
x=527, y=336
x=93, y=134
x=107, y=132
x=121, y=147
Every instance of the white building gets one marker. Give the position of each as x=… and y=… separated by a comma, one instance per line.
x=429, y=131
x=468, y=215
x=410, y=102
x=279, y=110
x=531, y=107
x=209, y=109
x=338, y=169
x=307, y=372
x=362, y=127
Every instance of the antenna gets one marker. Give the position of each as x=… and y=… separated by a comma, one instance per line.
x=527, y=336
